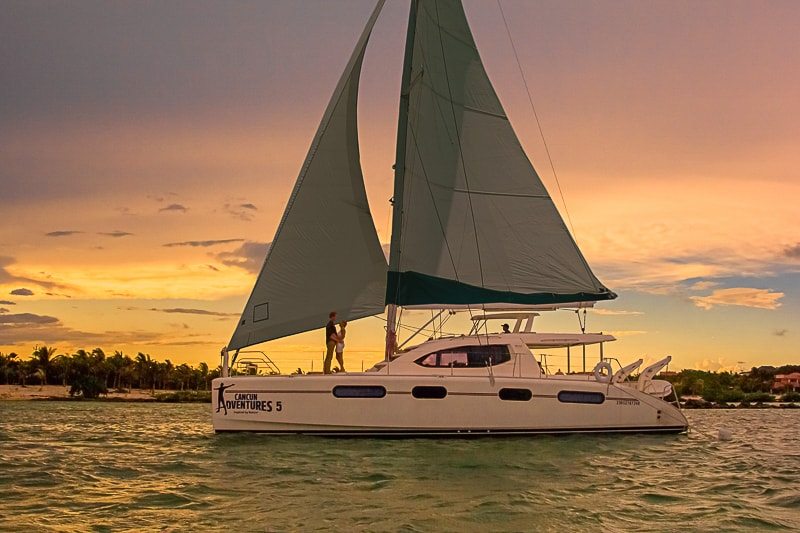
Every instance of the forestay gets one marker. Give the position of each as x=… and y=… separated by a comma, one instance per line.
x=325, y=255
x=473, y=222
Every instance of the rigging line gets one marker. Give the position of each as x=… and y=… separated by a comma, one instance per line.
x=398, y=204
x=411, y=129
x=441, y=114
x=536, y=116
x=458, y=139
x=433, y=201
x=460, y=148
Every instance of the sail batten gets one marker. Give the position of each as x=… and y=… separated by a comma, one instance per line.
x=326, y=255
x=473, y=222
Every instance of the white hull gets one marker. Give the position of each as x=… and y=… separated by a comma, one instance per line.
x=472, y=406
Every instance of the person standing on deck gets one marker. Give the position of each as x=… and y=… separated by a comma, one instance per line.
x=340, y=345
x=331, y=338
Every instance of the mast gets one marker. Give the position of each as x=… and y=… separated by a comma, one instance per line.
x=399, y=177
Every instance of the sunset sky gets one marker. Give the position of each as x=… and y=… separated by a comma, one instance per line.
x=147, y=150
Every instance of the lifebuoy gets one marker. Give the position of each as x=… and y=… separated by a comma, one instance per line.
x=599, y=376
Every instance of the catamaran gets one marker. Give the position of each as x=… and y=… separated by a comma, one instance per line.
x=473, y=230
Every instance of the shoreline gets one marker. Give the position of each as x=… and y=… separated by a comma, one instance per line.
x=60, y=393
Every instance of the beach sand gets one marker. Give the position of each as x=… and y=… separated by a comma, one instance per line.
x=47, y=392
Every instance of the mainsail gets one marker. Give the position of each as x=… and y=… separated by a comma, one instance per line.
x=325, y=255
x=472, y=221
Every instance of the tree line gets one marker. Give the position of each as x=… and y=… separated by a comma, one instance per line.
x=723, y=387
x=90, y=374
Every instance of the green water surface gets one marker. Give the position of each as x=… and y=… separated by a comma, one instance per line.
x=94, y=466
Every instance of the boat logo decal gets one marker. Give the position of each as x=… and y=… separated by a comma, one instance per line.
x=221, y=396
x=244, y=402
x=627, y=402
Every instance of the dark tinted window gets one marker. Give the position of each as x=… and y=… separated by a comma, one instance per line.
x=359, y=391
x=569, y=396
x=516, y=395
x=467, y=357
x=429, y=392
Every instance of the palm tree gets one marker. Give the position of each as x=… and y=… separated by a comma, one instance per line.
x=27, y=369
x=128, y=371
x=144, y=366
x=90, y=373
x=10, y=366
x=166, y=369
x=42, y=357
x=61, y=364
x=184, y=374
x=116, y=362
x=203, y=368
x=80, y=365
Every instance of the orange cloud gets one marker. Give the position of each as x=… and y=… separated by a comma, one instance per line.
x=615, y=312
x=742, y=296
x=703, y=285
x=627, y=333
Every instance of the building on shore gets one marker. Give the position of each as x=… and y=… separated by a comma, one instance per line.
x=786, y=382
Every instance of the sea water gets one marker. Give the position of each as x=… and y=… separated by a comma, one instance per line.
x=99, y=466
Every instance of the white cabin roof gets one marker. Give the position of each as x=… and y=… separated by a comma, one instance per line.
x=532, y=340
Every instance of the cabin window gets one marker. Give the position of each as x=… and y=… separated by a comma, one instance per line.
x=423, y=392
x=467, y=357
x=359, y=391
x=570, y=396
x=515, y=395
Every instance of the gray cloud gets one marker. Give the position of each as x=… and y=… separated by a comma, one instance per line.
x=16, y=329
x=3, y=310
x=115, y=233
x=202, y=244
x=241, y=211
x=249, y=256
x=22, y=292
x=52, y=333
x=26, y=319
x=62, y=233
x=792, y=252
x=780, y=332
x=7, y=302
x=179, y=208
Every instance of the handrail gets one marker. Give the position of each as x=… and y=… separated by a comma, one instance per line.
x=249, y=362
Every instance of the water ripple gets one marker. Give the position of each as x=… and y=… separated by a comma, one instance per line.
x=131, y=467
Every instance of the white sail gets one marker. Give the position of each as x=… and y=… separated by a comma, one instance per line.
x=325, y=255
x=473, y=222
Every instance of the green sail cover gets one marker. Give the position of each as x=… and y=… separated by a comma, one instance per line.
x=473, y=222
x=325, y=255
